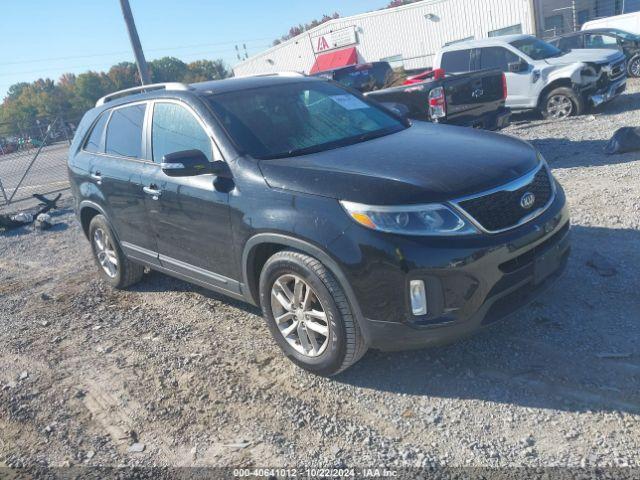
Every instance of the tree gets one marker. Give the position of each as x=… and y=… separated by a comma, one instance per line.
x=298, y=29
x=203, y=70
x=15, y=90
x=167, y=69
x=44, y=99
x=399, y=3
x=124, y=75
x=89, y=87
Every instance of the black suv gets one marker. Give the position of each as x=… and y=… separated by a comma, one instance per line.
x=350, y=227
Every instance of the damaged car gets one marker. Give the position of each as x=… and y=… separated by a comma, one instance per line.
x=541, y=76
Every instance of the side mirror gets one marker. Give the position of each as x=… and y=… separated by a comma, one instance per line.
x=187, y=163
x=518, y=67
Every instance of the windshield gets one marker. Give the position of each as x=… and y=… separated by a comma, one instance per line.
x=625, y=35
x=536, y=49
x=299, y=118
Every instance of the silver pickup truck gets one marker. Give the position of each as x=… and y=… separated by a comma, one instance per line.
x=539, y=75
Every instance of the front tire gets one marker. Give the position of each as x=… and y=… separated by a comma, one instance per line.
x=562, y=103
x=308, y=314
x=114, y=267
x=633, y=67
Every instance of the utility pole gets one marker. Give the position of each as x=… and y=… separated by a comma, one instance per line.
x=143, y=70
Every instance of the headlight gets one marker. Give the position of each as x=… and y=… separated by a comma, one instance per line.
x=432, y=219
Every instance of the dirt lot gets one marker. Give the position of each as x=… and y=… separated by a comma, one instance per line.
x=196, y=379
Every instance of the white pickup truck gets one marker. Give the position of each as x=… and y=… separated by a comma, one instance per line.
x=539, y=75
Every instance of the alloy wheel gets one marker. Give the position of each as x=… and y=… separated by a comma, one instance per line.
x=299, y=315
x=559, y=106
x=105, y=252
x=634, y=68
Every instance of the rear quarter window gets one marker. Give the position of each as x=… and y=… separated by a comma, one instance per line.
x=458, y=61
x=95, y=141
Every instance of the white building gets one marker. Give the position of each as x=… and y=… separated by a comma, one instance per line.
x=410, y=35
x=406, y=36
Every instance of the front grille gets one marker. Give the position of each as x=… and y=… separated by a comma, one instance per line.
x=618, y=70
x=502, y=210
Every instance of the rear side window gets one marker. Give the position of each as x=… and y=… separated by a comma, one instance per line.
x=124, y=133
x=175, y=129
x=95, y=142
x=568, y=43
x=458, y=61
x=497, y=58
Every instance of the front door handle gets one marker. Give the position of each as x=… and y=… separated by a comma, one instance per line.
x=153, y=191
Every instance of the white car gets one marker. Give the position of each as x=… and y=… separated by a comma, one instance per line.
x=629, y=22
x=539, y=75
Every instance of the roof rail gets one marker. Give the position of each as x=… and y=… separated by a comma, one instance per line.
x=143, y=88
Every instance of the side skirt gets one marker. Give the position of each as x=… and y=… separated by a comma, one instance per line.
x=189, y=273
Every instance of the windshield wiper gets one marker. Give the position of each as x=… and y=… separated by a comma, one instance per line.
x=330, y=146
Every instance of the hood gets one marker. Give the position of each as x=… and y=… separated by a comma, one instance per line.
x=597, y=55
x=424, y=163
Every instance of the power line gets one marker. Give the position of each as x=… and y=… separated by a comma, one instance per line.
x=163, y=49
x=96, y=65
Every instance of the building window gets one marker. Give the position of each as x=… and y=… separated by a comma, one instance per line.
x=512, y=30
x=583, y=17
x=554, y=24
x=459, y=41
x=631, y=6
x=608, y=8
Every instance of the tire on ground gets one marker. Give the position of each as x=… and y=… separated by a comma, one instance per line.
x=128, y=273
x=346, y=342
x=579, y=105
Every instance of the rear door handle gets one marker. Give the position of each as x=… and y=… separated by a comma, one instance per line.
x=97, y=176
x=153, y=191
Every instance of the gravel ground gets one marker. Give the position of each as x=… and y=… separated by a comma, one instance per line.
x=169, y=374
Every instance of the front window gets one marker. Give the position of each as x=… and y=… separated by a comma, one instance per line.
x=625, y=35
x=175, y=129
x=600, y=41
x=298, y=118
x=536, y=49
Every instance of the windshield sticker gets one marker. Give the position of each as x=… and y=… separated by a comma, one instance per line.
x=349, y=102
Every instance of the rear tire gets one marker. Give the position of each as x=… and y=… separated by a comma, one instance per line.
x=316, y=328
x=115, y=269
x=561, y=103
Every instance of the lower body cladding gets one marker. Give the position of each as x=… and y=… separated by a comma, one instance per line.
x=608, y=93
x=473, y=286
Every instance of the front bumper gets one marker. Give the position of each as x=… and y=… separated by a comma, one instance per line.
x=608, y=93
x=470, y=283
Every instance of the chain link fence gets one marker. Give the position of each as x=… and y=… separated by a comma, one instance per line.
x=33, y=158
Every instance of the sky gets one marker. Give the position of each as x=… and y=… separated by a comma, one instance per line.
x=43, y=38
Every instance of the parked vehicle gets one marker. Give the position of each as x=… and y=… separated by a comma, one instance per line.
x=424, y=76
x=349, y=226
x=472, y=99
x=629, y=22
x=539, y=75
x=612, y=38
x=364, y=77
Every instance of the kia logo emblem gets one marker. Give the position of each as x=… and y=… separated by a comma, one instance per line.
x=527, y=200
